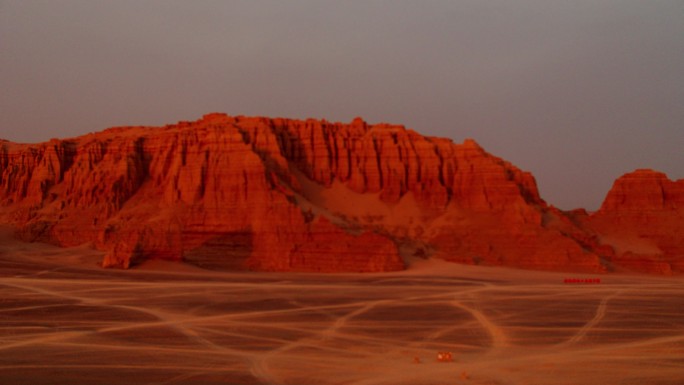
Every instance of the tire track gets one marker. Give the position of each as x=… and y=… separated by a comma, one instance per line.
x=260, y=366
x=598, y=317
x=496, y=333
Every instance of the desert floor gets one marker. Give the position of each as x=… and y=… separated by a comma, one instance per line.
x=63, y=320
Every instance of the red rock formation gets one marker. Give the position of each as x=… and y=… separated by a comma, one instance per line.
x=642, y=218
x=644, y=191
x=291, y=195
x=161, y=193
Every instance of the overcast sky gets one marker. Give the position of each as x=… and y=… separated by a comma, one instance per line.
x=576, y=92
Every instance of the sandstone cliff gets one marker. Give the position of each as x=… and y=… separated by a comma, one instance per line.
x=292, y=195
x=642, y=218
x=166, y=192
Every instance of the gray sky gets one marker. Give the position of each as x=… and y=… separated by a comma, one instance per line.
x=577, y=92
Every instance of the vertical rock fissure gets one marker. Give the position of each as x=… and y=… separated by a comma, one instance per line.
x=378, y=161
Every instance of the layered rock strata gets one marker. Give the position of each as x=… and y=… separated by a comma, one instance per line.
x=293, y=195
x=642, y=218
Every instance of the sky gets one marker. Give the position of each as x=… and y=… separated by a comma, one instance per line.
x=576, y=92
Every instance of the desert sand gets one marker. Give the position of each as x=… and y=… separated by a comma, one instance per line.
x=65, y=320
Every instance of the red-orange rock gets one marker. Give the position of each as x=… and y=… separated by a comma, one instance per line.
x=327, y=248
x=642, y=217
x=644, y=191
x=164, y=192
x=291, y=195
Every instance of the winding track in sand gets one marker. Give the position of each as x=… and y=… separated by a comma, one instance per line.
x=89, y=325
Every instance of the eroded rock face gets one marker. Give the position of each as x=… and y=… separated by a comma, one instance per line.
x=644, y=191
x=642, y=217
x=292, y=195
x=162, y=192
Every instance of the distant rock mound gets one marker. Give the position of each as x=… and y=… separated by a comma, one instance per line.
x=644, y=191
x=642, y=217
x=308, y=195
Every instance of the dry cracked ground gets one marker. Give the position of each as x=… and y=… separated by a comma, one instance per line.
x=63, y=320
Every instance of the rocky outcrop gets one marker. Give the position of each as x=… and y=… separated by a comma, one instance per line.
x=393, y=161
x=292, y=195
x=161, y=193
x=471, y=207
x=644, y=191
x=642, y=218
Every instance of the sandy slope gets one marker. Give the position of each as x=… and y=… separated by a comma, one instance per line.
x=64, y=320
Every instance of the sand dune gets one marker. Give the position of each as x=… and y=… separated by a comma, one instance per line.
x=64, y=320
